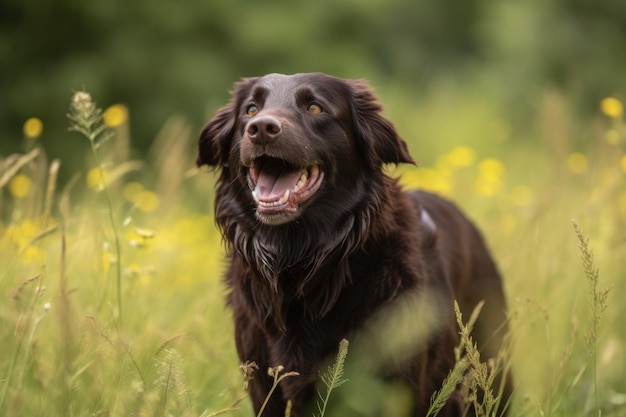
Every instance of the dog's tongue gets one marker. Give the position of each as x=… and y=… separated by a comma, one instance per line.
x=274, y=180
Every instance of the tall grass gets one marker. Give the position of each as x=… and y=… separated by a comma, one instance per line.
x=67, y=279
x=598, y=304
x=86, y=119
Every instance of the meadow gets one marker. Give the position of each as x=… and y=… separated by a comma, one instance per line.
x=112, y=298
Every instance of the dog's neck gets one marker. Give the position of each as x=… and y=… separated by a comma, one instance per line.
x=289, y=266
x=305, y=262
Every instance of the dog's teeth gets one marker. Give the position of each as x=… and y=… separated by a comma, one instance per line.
x=283, y=200
x=304, y=177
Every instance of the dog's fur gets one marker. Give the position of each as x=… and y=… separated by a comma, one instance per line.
x=323, y=262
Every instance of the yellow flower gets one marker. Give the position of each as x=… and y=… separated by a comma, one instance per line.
x=577, y=163
x=105, y=263
x=147, y=201
x=20, y=186
x=145, y=233
x=132, y=190
x=116, y=115
x=490, y=177
x=444, y=166
x=487, y=186
x=20, y=234
x=622, y=162
x=462, y=156
x=32, y=255
x=97, y=179
x=491, y=168
x=428, y=179
x=33, y=127
x=612, y=107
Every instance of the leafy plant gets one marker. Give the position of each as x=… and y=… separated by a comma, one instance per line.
x=333, y=377
x=86, y=119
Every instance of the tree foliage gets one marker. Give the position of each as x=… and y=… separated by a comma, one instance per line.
x=161, y=57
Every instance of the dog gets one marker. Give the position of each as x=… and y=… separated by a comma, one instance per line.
x=322, y=241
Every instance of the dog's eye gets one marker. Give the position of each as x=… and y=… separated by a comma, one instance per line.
x=314, y=108
x=252, y=110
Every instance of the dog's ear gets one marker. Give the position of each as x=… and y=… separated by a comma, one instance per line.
x=216, y=136
x=375, y=135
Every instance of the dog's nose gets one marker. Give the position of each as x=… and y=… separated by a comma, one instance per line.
x=264, y=129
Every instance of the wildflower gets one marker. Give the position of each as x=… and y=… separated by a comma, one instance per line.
x=275, y=371
x=428, y=179
x=86, y=118
x=97, y=179
x=147, y=201
x=444, y=166
x=490, y=177
x=20, y=186
x=577, y=163
x=106, y=261
x=33, y=127
x=139, y=237
x=132, y=190
x=145, y=233
x=133, y=270
x=487, y=187
x=491, y=168
x=248, y=369
x=82, y=103
x=136, y=243
x=115, y=115
x=32, y=255
x=612, y=107
x=462, y=156
x=20, y=234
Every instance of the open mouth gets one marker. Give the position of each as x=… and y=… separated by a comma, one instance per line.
x=279, y=187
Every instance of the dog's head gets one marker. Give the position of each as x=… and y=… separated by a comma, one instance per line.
x=293, y=140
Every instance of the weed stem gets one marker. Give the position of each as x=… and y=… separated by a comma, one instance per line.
x=87, y=120
x=118, y=250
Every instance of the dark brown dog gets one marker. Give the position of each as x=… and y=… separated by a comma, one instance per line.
x=322, y=242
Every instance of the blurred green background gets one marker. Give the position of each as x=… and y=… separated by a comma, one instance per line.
x=514, y=109
x=162, y=58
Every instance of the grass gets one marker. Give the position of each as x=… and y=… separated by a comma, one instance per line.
x=86, y=119
x=73, y=256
